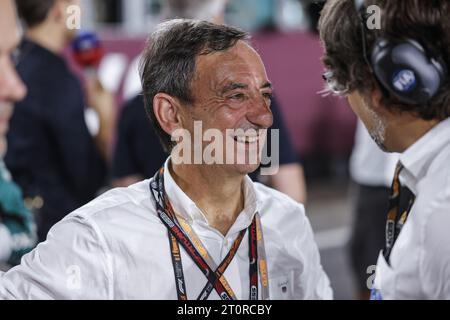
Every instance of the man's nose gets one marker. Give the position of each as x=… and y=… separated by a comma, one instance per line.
x=12, y=89
x=259, y=114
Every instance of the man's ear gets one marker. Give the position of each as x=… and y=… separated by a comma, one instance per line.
x=167, y=112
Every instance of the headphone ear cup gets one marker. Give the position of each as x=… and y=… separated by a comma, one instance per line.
x=404, y=70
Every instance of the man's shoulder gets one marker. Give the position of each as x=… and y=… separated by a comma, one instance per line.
x=275, y=201
x=120, y=205
x=36, y=59
x=45, y=72
x=436, y=182
x=439, y=164
x=433, y=189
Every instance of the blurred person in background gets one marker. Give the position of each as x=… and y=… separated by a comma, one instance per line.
x=396, y=79
x=53, y=156
x=17, y=229
x=138, y=153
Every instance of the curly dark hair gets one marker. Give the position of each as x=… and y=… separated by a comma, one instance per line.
x=427, y=21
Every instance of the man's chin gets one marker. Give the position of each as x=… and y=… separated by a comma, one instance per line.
x=245, y=169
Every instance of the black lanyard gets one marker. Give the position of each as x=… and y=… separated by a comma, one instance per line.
x=394, y=223
x=177, y=235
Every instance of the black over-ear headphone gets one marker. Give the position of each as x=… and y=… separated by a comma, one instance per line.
x=403, y=68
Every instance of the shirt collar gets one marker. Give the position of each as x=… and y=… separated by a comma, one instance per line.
x=187, y=208
x=417, y=158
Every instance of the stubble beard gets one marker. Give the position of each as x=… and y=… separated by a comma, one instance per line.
x=378, y=133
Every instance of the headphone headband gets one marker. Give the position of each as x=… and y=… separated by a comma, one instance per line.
x=403, y=68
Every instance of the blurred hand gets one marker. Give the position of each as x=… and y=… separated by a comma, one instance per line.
x=102, y=101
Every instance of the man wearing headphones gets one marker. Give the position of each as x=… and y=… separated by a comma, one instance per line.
x=396, y=80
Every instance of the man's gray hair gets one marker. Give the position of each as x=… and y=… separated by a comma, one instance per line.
x=169, y=61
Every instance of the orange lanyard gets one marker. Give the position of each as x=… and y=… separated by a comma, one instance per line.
x=180, y=232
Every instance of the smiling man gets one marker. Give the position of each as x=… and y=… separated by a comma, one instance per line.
x=194, y=231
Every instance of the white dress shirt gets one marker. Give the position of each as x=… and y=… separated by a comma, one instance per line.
x=420, y=259
x=116, y=247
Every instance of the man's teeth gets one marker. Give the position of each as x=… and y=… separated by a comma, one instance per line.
x=246, y=139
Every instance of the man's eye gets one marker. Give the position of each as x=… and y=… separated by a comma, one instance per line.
x=238, y=96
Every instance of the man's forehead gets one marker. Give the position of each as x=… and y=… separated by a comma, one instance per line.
x=241, y=50
x=224, y=66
